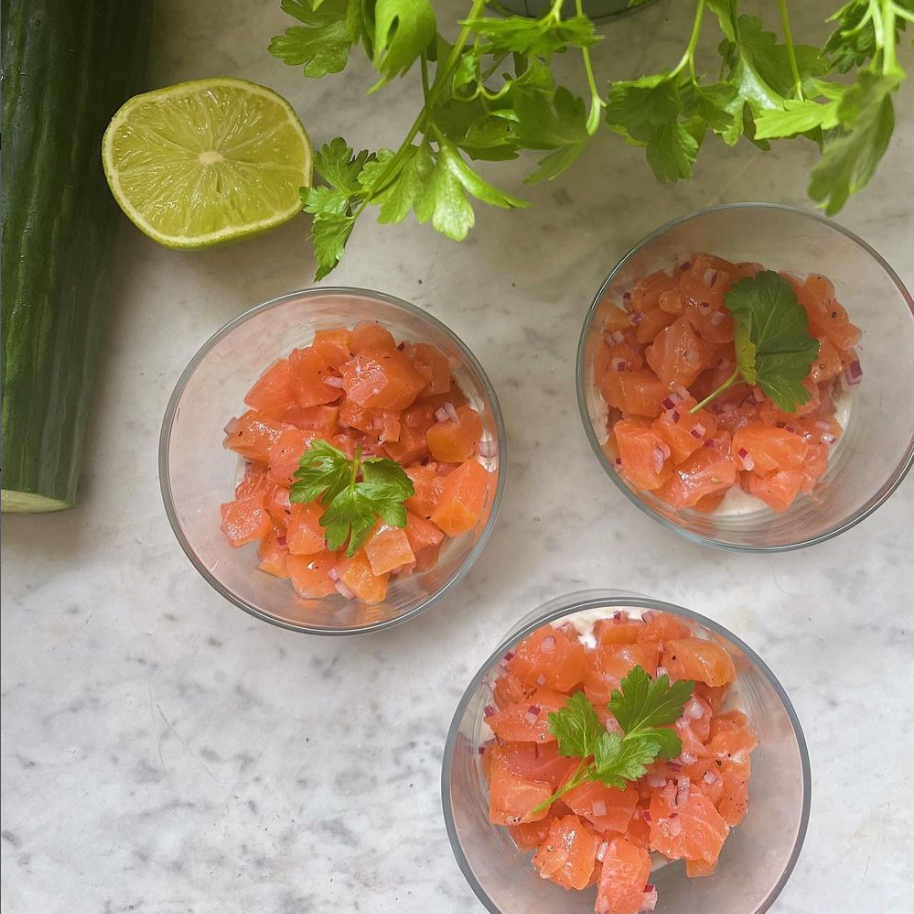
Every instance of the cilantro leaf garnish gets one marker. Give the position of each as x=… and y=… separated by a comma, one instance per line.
x=354, y=493
x=774, y=349
x=642, y=707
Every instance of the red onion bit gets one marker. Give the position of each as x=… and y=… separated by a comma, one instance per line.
x=646, y=815
x=717, y=318
x=345, y=591
x=541, y=680
x=598, y=808
x=711, y=778
x=648, y=899
x=683, y=789
x=709, y=277
x=231, y=426
x=694, y=710
x=636, y=318
x=489, y=711
x=333, y=381
x=617, y=336
x=659, y=459
x=601, y=851
x=698, y=431
x=619, y=364
x=487, y=448
x=281, y=541
x=533, y=712
x=548, y=644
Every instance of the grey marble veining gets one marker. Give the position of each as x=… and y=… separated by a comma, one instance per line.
x=164, y=753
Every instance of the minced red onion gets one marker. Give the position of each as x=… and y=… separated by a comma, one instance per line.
x=646, y=815
x=649, y=615
x=626, y=297
x=655, y=780
x=710, y=277
x=704, y=308
x=791, y=429
x=619, y=364
x=509, y=656
x=636, y=318
x=829, y=438
x=345, y=591
x=489, y=711
x=281, y=541
x=333, y=574
x=659, y=459
x=710, y=443
x=541, y=680
x=231, y=426
x=673, y=765
x=671, y=401
x=451, y=411
x=711, y=778
x=758, y=394
x=598, y=808
x=530, y=717
x=617, y=336
x=685, y=266
x=717, y=318
x=601, y=851
x=441, y=414
x=682, y=393
x=618, y=462
x=694, y=710
x=683, y=788
x=748, y=462
x=662, y=671
x=333, y=381
x=487, y=448
x=648, y=899
x=698, y=431
x=481, y=750
x=854, y=371
x=688, y=758
x=548, y=644
x=617, y=615
x=692, y=355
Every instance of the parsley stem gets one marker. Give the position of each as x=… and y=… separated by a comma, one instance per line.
x=577, y=778
x=888, y=36
x=596, y=102
x=423, y=65
x=791, y=52
x=441, y=76
x=688, y=58
x=902, y=13
x=727, y=384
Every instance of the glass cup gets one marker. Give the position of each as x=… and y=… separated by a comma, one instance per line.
x=877, y=448
x=197, y=474
x=758, y=856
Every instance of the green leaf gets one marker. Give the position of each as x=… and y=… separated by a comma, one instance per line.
x=540, y=37
x=324, y=199
x=393, y=513
x=637, y=108
x=618, y=760
x=323, y=469
x=322, y=44
x=336, y=163
x=329, y=234
x=712, y=103
x=773, y=345
x=412, y=179
x=796, y=117
x=403, y=30
x=576, y=727
x=389, y=476
x=349, y=516
x=671, y=152
x=641, y=703
x=850, y=157
x=856, y=40
x=550, y=120
x=726, y=12
x=444, y=201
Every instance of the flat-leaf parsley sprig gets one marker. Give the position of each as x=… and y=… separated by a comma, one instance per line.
x=643, y=708
x=355, y=493
x=774, y=348
x=492, y=94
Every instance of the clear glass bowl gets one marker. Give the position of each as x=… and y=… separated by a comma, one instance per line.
x=877, y=449
x=197, y=474
x=758, y=856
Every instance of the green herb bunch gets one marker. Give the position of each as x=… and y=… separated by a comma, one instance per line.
x=492, y=94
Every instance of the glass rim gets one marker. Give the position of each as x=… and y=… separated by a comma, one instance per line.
x=598, y=598
x=864, y=511
x=165, y=449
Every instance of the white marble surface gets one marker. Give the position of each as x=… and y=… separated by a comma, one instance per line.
x=164, y=753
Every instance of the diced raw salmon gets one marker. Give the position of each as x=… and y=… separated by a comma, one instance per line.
x=568, y=854
x=548, y=657
x=460, y=506
x=623, y=879
x=698, y=659
x=382, y=378
x=310, y=574
x=245, y=520
x=455, y=441
x=272, y=395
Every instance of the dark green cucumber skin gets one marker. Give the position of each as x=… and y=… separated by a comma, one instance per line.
x=67, y=66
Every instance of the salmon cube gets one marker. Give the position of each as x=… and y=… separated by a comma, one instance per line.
x=762, y=448
x=778, y=489
x=272, y=395
x=256, y=481
x=528, y=719
x=421, y=533
x=463, y=496
x=304, y=533
x=429, y=484
x=455, y=441
x=252, y=435
x=636, y=393
x=623, y=878
x=245, y=520
x=357, y=575
x=548, y=657
x=388, y=548
x=286, y=454
x=568, y=854
x=310, y=371
x=382, y=378
x=700, y=660
x=273, y=553
x=324, y=421
x=677, y=355
x=335, y=346
x=512, y=797
x=605, y=808
x=644, y=454
x=310, y=574
x=370, y=335
x=433, y=365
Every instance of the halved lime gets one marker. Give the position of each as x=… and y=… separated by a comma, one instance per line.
x=207, y=161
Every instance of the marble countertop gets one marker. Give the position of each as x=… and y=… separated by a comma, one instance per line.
x=163, y=752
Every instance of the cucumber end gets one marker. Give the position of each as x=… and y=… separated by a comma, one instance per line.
x=29, y=503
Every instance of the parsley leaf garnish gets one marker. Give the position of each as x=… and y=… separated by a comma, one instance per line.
x=774, y=349
x=354, y=493
x=642, y=707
